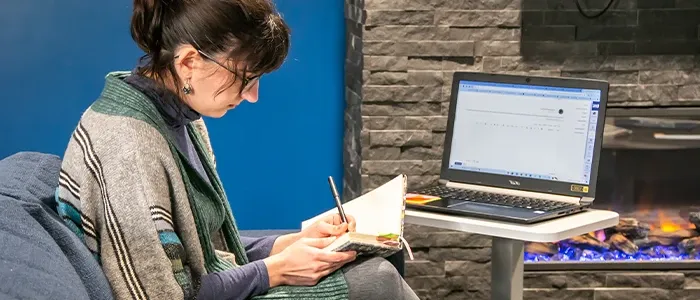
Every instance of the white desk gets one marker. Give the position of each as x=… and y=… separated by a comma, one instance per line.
x=508, y=244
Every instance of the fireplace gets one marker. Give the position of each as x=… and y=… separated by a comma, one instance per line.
x=650, y=174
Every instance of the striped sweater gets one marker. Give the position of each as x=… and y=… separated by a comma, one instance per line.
x=154, y=224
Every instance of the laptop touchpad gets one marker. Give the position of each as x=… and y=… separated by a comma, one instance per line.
x=493, y=209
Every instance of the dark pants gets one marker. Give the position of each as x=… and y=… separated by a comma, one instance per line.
x=397, y=259
x=374, y=278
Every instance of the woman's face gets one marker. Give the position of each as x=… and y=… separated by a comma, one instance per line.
x=209, y=78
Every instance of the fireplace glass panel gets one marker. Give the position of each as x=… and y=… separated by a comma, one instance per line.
x=649, y=173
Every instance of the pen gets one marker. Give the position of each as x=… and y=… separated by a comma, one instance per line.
x=337, y=199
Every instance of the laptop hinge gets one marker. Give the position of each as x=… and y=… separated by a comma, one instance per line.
x=586, y=200
x=520, y=193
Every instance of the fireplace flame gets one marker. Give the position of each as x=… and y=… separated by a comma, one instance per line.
x=658, y=232
x=600, y=235
x=666, y=224
x=670, y=227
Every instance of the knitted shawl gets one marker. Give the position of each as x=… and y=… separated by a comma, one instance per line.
x=155, y=225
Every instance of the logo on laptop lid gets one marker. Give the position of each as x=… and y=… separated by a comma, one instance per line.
x=513, y=182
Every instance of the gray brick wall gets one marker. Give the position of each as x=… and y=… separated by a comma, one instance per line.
x=352, y=159
x=639, y=27
x=407, y=51
x=647, y=50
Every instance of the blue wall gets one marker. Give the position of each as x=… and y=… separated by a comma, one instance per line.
x=273, y=156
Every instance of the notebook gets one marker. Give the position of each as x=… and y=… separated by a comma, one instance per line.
x=379, y=215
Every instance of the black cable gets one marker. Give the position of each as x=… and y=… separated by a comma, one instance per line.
x=578, y=5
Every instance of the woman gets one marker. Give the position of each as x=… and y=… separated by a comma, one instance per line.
x=138, y=181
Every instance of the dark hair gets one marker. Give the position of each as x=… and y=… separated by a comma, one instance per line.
x=249, y=31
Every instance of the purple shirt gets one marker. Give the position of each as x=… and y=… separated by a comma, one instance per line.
x=243, y=282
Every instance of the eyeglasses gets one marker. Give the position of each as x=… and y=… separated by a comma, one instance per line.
x=247, y=82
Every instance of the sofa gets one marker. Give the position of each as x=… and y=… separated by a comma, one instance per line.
x=40, y=258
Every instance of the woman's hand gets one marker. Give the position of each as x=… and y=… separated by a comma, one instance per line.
x=305, y=262
x=330, y=225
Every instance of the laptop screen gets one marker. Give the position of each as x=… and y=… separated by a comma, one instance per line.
x=521, y=130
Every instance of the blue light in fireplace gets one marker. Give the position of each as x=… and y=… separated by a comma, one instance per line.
x=573, y=254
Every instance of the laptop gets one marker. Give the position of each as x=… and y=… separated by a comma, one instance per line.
x=521, y=149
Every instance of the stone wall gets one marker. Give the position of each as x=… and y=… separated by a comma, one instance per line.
x=628, y=27
x=400, y=60
x=647, y=50
x=352, y=159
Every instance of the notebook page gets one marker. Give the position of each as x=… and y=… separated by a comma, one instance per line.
x=378, y=212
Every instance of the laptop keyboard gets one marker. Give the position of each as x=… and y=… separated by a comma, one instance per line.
x=495, y=199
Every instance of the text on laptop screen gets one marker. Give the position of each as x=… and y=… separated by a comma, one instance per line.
x=525, y=131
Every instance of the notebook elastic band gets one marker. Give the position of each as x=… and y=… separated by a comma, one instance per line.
x=408, y=248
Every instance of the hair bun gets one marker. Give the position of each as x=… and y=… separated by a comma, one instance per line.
x=146, y=24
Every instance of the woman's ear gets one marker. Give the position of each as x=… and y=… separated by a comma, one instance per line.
x=187, y=57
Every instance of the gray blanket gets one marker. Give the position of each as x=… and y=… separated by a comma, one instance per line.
x=40, y=258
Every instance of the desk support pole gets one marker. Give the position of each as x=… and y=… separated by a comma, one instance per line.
x=507, y=269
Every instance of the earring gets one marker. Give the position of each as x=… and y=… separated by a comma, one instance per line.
x=187, y=89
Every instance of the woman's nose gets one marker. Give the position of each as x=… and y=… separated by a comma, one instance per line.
x=251, y=94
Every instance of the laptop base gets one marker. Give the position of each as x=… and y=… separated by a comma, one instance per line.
x=508, y=214
x=521, y=215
